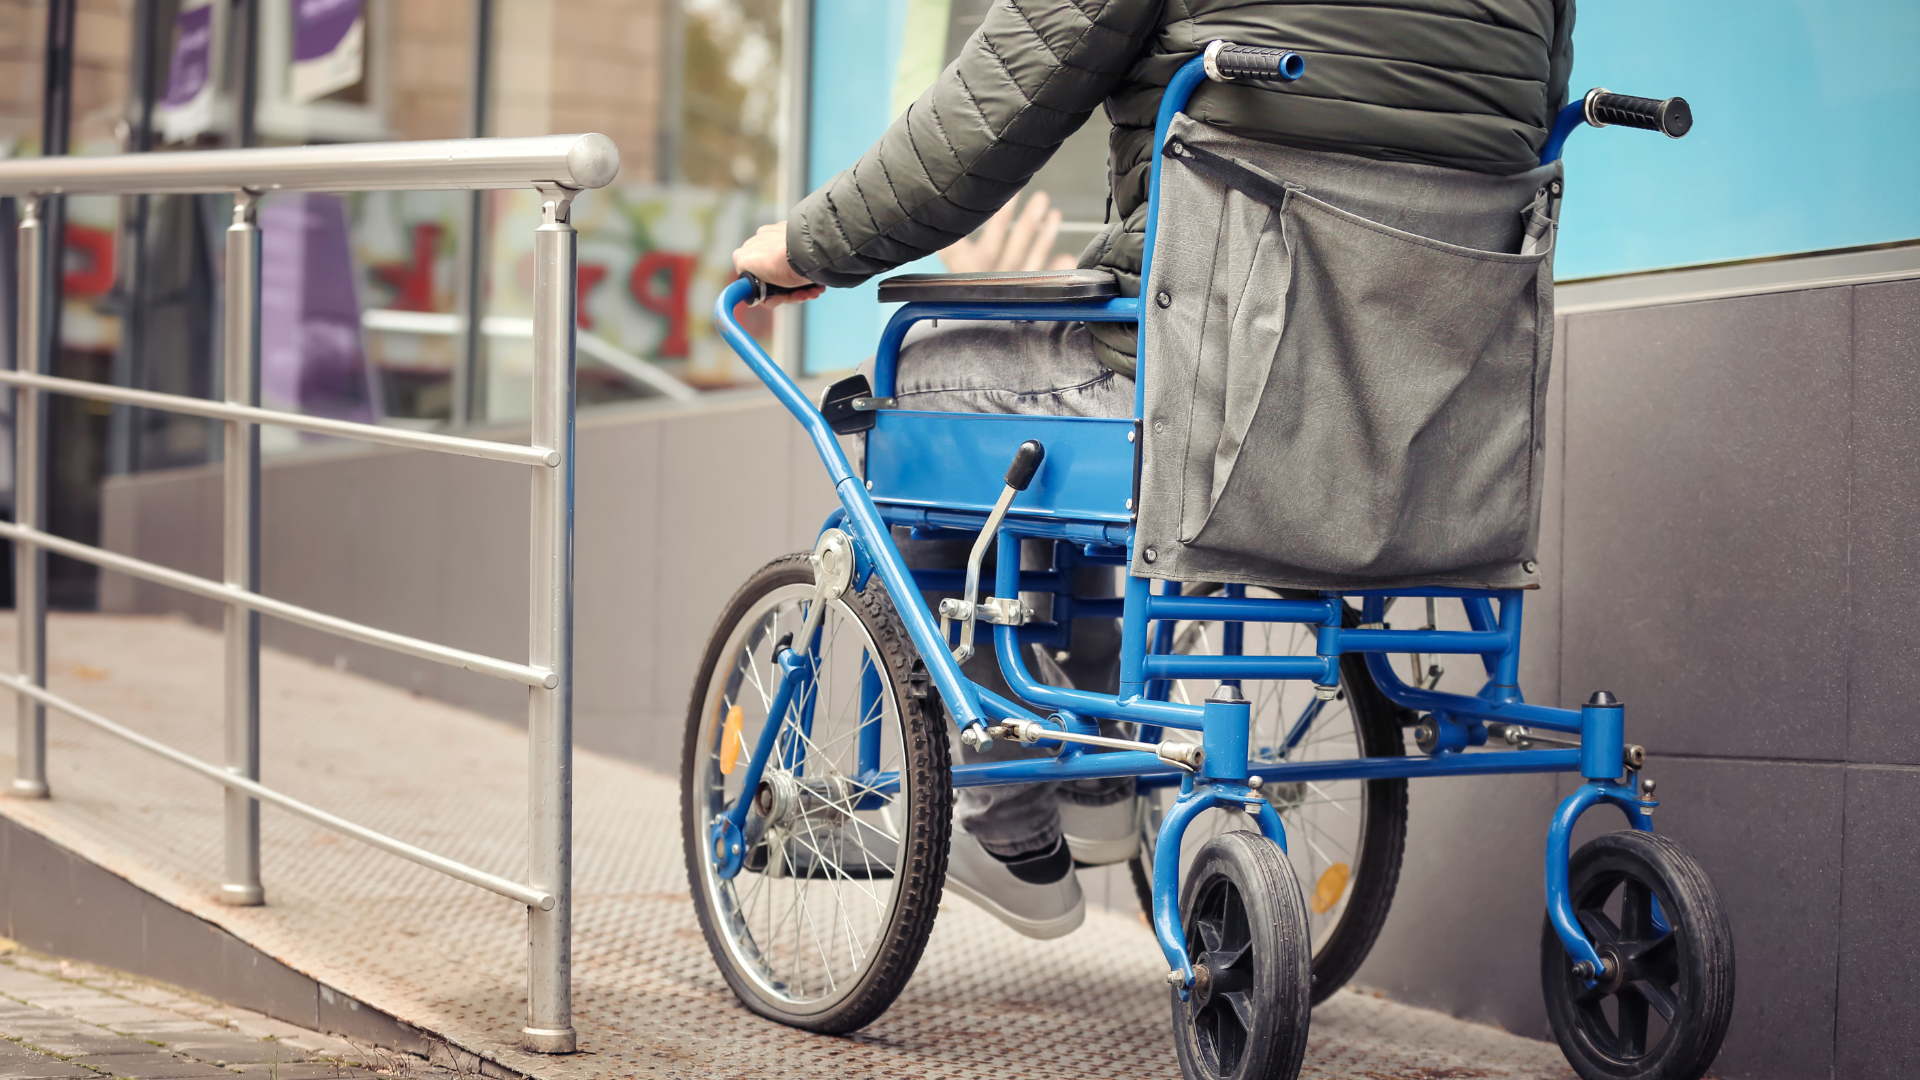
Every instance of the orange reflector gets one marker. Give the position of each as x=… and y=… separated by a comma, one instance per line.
x=1333, y=885
x=731, y=741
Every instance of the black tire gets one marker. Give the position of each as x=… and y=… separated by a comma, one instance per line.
x=882, y=857
x=1664, y=1014
x=1341, y=945
x=1246, y=1016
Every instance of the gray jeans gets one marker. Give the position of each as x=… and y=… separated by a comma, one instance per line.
x=1034, y=368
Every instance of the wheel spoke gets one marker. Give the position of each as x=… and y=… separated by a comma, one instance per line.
x=1329, y=800
x=1241, y=1002
x=1636, y=911
x=1221, y=960
x=1656, y=995
x=1599, y=928
x=1633, y=1022
x=1212, y=935
x=1659, y=959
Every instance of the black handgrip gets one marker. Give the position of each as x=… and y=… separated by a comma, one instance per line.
x=1227, y=62
x=1672, y=117
x=763, y=289
x=1026, y=462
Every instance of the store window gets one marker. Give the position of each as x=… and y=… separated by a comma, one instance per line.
x=690, y=92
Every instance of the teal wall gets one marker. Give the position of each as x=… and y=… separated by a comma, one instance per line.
x=1806, y=136
x=1806, y=132
x=856, y=49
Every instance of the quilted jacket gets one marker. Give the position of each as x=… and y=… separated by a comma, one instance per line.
x=1468, y=84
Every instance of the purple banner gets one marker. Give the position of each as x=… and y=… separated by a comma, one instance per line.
x=192, y=56
x=310, y=353
x=320, y=25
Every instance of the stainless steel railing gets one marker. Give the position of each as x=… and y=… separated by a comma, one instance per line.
x=559, y=167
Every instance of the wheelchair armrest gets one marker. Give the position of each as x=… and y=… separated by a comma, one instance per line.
x=1005, y=287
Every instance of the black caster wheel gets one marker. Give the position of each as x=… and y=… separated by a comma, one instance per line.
x=1344, y=837
x=1246, y=1016
x=1661, y=1008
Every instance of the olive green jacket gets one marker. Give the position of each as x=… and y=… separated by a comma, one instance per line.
x=1469, y=84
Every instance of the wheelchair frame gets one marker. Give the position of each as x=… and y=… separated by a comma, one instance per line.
x=925, y=472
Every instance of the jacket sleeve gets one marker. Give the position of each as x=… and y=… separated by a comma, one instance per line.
x=1027, y=79
x=1560, y=58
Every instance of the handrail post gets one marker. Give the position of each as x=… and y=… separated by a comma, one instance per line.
x=549, y=1027
x=241, y=350
x=29, y=506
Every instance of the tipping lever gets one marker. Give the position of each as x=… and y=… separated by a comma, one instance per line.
x=965, y=611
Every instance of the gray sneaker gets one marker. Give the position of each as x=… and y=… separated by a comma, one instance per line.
x=1098, y=835
x=1024, y=893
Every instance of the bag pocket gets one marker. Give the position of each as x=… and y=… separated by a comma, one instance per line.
x=1373, y=416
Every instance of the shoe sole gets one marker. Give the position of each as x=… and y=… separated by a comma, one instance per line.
x=1089, y=852
x=1042, y=929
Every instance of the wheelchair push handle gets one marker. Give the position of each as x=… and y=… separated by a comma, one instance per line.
x=1671, y=117
x=1026, y=462
x=1227, y=62
x=763, y=289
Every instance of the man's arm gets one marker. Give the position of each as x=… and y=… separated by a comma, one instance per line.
x=1025, y=81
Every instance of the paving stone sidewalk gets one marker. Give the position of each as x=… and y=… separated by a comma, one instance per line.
x=66, y=1021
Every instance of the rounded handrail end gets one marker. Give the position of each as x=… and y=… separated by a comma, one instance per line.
x=593, y=160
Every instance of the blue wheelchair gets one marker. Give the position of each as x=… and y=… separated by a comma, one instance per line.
x=1266, y=727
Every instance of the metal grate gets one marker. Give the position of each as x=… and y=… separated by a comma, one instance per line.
x=647, y=998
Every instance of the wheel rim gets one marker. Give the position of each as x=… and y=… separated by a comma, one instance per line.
x=1325, y=821
x=806, y=923
x=1221, y=1005
x=1628, y=1018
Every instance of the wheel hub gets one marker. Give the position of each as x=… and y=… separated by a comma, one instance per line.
x=1202, y=990
x=1613, y=972
x=1285, y=797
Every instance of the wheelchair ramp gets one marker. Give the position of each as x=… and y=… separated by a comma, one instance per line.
x=451, y=959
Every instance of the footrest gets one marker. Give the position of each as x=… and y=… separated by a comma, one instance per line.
x=1015, y=287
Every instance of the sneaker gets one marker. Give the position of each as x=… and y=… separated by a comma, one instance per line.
x=1037, y=895
x=1098, y=835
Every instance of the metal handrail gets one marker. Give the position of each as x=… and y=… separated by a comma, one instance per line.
x=557, y=166
x=570, y=161
x=318, y=425
x=293, y=613
x=513, y=890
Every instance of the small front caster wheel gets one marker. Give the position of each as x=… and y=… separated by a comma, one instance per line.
x=1660, y=1009
x=1246, y=1015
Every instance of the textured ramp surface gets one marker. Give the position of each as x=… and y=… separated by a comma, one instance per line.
x=452, y=959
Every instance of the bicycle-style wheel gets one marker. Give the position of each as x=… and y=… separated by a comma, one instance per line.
x=1345, y=838
x=847, y=836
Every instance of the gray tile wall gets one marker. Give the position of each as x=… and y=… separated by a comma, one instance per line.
x=1731, y=543
x=1737, y=556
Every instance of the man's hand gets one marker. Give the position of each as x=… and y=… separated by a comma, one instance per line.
x=1010, y=243
x=764, y=255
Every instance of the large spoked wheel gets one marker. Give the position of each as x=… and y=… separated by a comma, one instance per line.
x=1663, y=1009
x=827, y=918
x=1345, y=838
x=1247, y=1013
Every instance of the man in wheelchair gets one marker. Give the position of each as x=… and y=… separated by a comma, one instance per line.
x=1421, y=84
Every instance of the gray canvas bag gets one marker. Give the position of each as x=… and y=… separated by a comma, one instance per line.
x=1345, y=364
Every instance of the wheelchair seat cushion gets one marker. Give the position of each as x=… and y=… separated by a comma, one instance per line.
x=1346, y=361
x=1000, y=286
